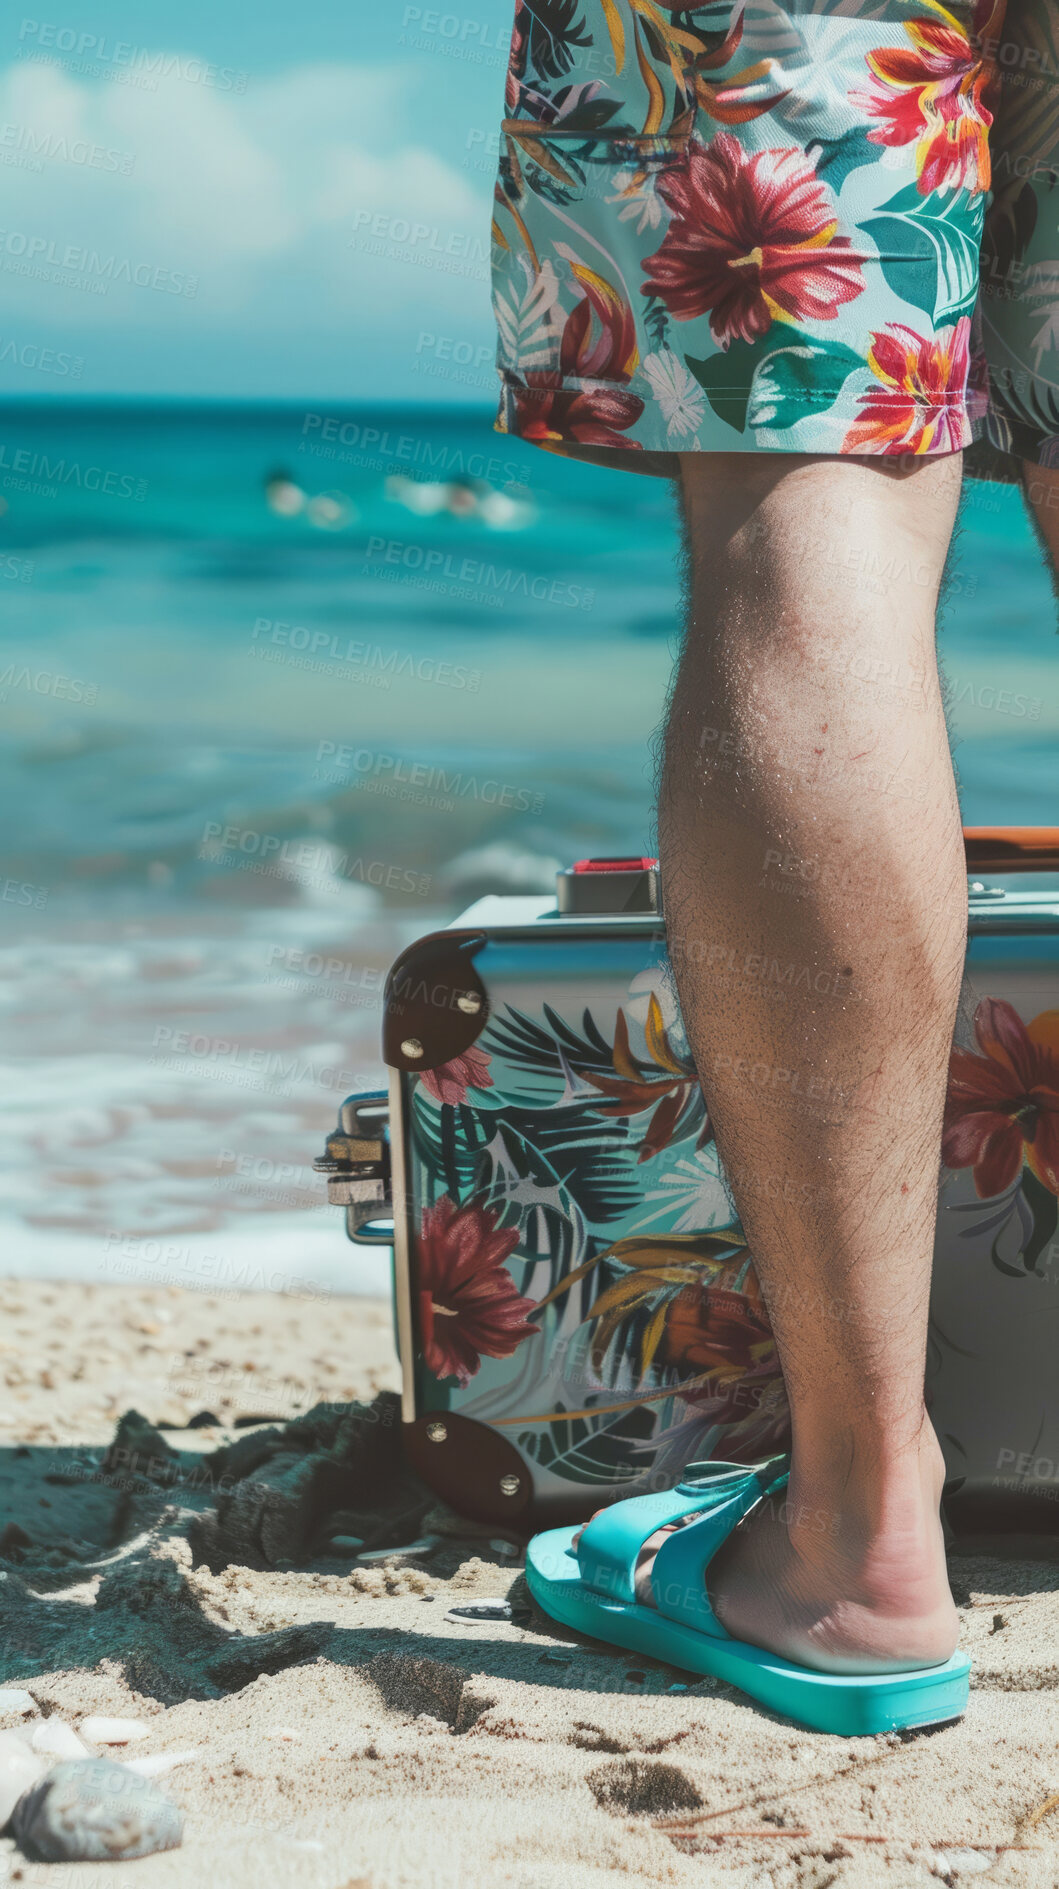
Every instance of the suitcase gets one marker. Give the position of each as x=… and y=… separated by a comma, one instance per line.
x=576, y=1312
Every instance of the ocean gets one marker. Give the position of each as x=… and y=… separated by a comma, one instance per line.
x=283, y=687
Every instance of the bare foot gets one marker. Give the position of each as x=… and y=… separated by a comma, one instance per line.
x=853, y=1583
x=848, y=1576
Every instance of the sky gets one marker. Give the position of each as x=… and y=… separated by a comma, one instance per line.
x=249, y=201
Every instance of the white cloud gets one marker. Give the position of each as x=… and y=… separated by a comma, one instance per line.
x=255, y=194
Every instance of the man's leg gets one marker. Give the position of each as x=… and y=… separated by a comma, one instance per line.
x=1040, y=485
x=815, y=896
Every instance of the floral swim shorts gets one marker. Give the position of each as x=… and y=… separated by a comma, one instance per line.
x=813, y=226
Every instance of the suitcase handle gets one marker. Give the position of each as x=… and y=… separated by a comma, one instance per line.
x=1012, y=848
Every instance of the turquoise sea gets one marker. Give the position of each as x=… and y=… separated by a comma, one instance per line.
x=281, y=687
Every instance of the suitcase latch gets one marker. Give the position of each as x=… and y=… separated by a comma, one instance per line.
x=356, y=1161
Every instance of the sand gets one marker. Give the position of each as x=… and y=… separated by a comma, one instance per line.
x=343, y=1728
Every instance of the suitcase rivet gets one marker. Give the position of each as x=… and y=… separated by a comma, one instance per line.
x=510, y=1485
x=469, y=1002
x=412, y=1048
x=436, y=1432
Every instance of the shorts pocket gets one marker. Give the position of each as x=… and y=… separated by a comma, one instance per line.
x=558, y=161
x=598, y=194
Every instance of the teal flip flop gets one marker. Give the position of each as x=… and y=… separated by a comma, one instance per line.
x=591, y=1589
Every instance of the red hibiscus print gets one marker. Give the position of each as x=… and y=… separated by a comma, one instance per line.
x=451, y=1081
x=752, y=239
x=724, y=1337
x=468, y=1306
x=931, y=94
x=919, y=406
x=598, y=344
x=709, y=1328
x=1002, y=1107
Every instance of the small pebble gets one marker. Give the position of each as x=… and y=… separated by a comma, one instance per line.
x=481, y=1610
x=947, y=1863
x=113, y=1731
x=345, y=1544
x=14, y=1699
x=94, y=1811
x=58, y=1739
x=505, y=1547
x=677, y=1688
x=157, y=1763
x=19, y=1769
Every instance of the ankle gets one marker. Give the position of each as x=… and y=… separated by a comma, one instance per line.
x=862, y=1466
x=869, y=1503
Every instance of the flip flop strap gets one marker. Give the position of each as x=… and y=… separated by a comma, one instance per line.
x=610, y=1545
x=678, y=1577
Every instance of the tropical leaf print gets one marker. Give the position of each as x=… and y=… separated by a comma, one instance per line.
x=782, y=377
x=928, y=249
x=529, y=323
x=667, y=1084
x=660, y=1271
x=1041, y=290
x=1029, y=122
x=552, y=30
x=742, y=96
x=1022, y=1221
x=584, y=1447
x=681, y=1322
x=799, y=377
x=835, y=158
x=1030, y=403
x=553, y=1048
x=537, y=1153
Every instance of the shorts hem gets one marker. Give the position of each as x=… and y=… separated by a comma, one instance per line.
x=657, y=452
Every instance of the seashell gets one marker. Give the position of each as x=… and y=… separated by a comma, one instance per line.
x=94, y=1811
x=157, y=1763
x=480, y=1610
x=112, y=1731
x=421, y=1546
x=58, y=1740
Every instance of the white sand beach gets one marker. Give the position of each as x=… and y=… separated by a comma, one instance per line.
x=333, y=1724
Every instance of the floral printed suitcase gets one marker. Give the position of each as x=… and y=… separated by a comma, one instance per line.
x=577, y=1311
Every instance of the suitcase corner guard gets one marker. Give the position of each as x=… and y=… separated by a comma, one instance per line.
x=470, y=1466
x=356, y=1161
